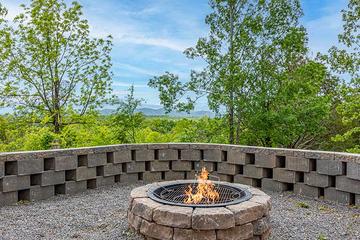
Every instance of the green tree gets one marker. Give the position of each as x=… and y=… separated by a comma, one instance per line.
x=345, y=63
x=126, y=120
x=246, y=37
x=292, y=113
x=51, y=63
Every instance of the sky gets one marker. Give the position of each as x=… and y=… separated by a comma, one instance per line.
x=151, y=35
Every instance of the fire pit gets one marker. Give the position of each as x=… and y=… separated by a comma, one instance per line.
x=201, y=209
x=175, y=194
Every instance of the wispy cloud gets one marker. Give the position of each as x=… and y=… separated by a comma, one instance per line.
x=157, y=42
x=323, y=29
x=134, y=69
x=150, y=36
x=128, y=84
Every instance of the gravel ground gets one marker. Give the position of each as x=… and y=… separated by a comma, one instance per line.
x=101, y=214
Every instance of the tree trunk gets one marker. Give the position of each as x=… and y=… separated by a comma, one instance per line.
x=57, y=122
x=231, y=77
x=238, y=129
x=231, y=124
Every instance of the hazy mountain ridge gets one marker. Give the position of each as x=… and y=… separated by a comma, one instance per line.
x=161, y=112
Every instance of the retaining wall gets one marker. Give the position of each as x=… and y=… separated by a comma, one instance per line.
x=39, y=175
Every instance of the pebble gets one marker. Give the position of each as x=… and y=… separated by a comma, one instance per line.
x=101, y=214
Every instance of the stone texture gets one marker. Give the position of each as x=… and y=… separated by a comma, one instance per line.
x=244, y=180
x=156, y=231
x=353, y=170
x=140, y=192
x=104, y=181
x=150, y=177
x=264, y=200
x=235, y=156
x=347, y=185
x=210, y=166
x=265, y=160
x=181, y=165
x=112, y=169
x=159, y=166
x=129, y=178
x=261, y=226
x=72, y=187
x=357, y=199
x=273, y=185
x=190, y=234
x=30, y=166
x=96, y=159
x=283, y=175
x=300, y=164
x=122, y=156
x=332, y=194
x=49, y=178
x=144, y=155
x=173, y=216
x=135, y=167
x=212, y=218
x=305, y=190
x=171, y=175
x=14, y=183
x=191, y=155
x=226, y=168
x=168, y=154
x=329, y=167
x=134, y=221
x=237, y=233
x=126, y=163
x=212, y=155
x=66, y=162
x=2, y=169
x=144, y=207
x=40, y=193
x=8, y=198
x=247, y=211
x=317, y=180
x=85, y=173
x=254, y=172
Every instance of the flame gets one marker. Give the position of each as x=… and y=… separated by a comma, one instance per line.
x=205, y=190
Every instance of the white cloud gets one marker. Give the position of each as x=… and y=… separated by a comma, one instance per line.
x=13, y=8
x=134, y=69
x=127, y=84
x=157, y=42
x=323, y=31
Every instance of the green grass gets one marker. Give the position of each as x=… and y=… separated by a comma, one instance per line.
x=302, y=205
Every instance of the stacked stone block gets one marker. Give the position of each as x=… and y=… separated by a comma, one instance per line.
x=246, y=220
x=38, y=175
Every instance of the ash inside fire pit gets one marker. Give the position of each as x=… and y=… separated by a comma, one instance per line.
x=175, y=194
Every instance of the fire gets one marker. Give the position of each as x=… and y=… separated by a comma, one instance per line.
x=205, y=190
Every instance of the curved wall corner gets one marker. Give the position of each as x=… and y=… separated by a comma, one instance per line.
x=42, y=174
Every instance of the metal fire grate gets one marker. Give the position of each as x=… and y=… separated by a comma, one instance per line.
x=174, y=194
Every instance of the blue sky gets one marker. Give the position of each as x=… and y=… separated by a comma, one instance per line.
x=150, y=35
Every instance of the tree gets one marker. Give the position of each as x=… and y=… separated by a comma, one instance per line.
x=293, y=114
x=51, y=62
x=126, y=120
x=246, y=37
x=345, y=63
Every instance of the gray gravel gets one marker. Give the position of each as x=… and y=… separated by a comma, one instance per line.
x=101, y=214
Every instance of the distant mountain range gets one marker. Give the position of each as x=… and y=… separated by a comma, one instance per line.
x=161, y=112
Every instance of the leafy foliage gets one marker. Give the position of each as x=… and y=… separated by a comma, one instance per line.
x=51, y=63
x=346, y=61
x=127, y=120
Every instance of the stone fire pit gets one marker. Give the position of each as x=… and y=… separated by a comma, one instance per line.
x=246, y=219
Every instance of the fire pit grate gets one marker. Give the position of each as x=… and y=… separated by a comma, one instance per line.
x=174, y=194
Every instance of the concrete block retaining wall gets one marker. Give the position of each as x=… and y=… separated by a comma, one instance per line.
x=39, y=175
